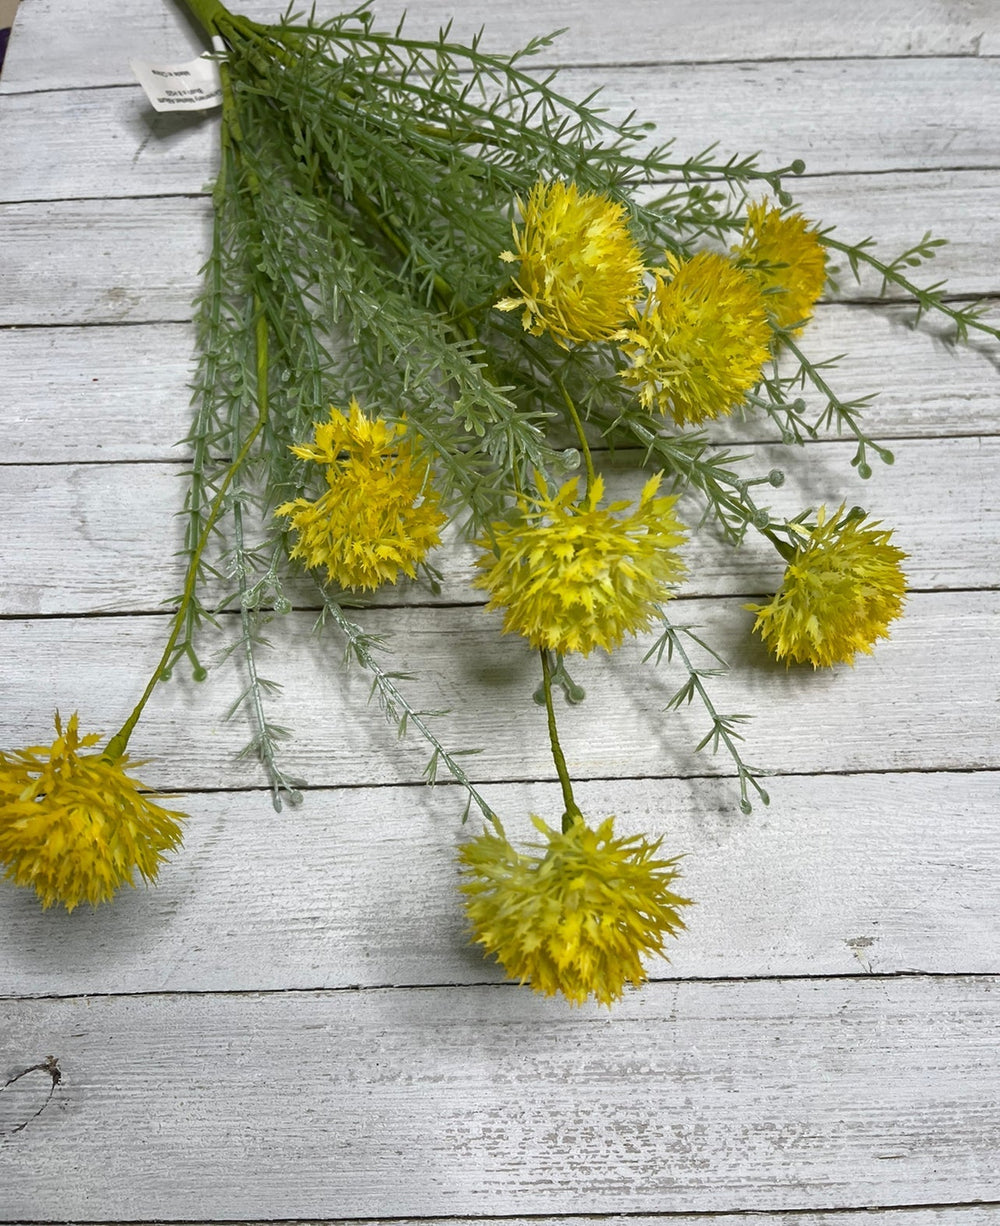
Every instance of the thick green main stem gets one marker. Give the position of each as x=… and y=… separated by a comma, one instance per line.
x=210, y=14
x=572, y=811
x=119, y=742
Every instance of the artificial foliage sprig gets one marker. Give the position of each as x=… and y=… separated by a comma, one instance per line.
x=440, y=293
x=363, y=649
x=722, y=730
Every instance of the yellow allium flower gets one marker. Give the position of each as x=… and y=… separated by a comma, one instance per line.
x=574, y=576
x=580, y=268
x=75, y=826
x=840, y=591
x=701, y=340
x=380, y=515
x=790, y=259
x=578, y=915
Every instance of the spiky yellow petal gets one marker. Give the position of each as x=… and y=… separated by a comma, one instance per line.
x=840, y=592
x=786, y=259
x=75, y=826
x=380, y=515
x=572, y=576
x=700, y=342
x=580, y=268
x=577, y=915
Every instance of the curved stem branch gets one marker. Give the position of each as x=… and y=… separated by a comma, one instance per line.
x=119, y=742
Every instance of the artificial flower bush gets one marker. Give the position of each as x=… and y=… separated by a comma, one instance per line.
x=429, y=272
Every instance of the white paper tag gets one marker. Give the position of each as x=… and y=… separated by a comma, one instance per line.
x=194, y=86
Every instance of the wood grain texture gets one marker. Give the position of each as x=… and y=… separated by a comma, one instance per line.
x=81, y=535
x=86, y=394
x=94, y=47
x=841, y=875
x=924, y=701
x=108, y=394
x=137, y=261
x=948, y=1215
x=489, y=1101
x=864, y=115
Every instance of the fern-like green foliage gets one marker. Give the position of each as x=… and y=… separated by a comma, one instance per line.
x=367, y=185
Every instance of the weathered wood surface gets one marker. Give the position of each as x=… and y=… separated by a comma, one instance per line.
x=94, y=44
x=866, y=115
x=487, y=1101
x=951, y=1215
x=851, y=874
x=103, y=519
x=823, y=1047
x=926, y=700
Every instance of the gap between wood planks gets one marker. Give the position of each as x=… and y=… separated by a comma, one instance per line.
x=478, y=985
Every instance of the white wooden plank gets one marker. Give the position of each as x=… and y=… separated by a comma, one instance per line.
x=135, y=261
x=923, y=701
x=488, y=1101
x=946, y=1215
x=103, y=393
x=865, y=115
x=842, y=875
x=94, y=47
x=105, y=537
x=788, y=111
x=131, y=150
x=122, y=393
x=113, y=262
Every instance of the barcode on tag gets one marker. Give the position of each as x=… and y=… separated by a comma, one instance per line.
x=194, y=86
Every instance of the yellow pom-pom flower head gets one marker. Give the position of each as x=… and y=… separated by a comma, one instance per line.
x=841, y=589
x=380, y=514
x=75, y=826
x=571, y=576
x=575, y=914
x=786, y=259
x=700, y=342
x=580, y=269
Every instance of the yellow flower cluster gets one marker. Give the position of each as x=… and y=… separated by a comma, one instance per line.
x=580, y=268
x=74, y=826
x=840, y=592
x=701, y=341
x=786, y=259
x=379, y=516
x=578, y=915
x=572, y=576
